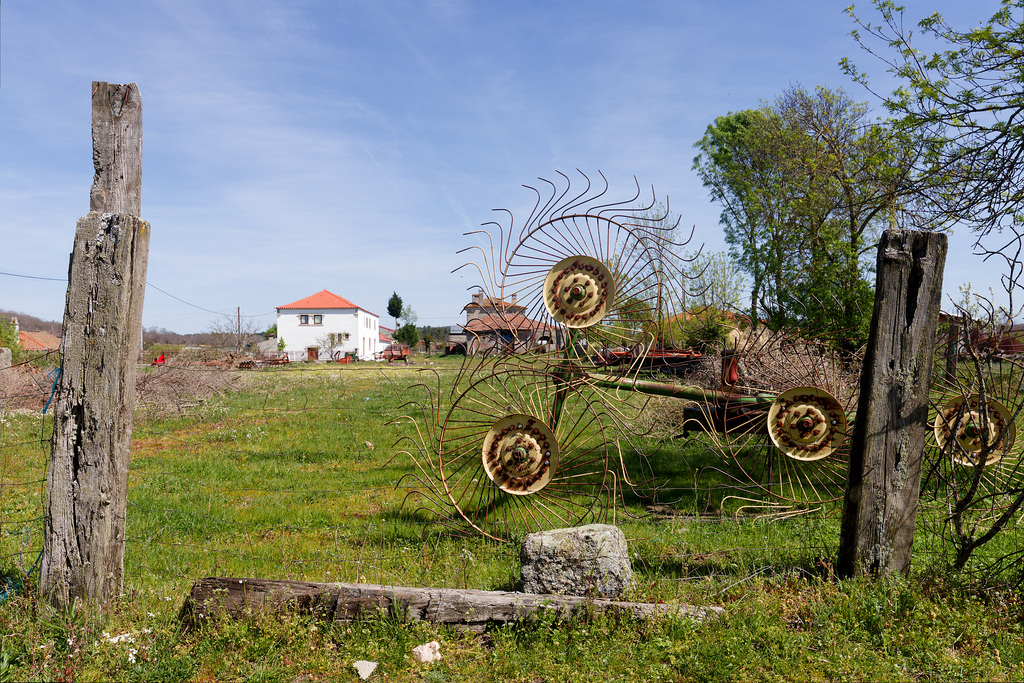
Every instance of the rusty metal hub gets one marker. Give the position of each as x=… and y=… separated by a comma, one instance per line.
x=578, y=291
x=520, y=454
x=964, y=414
x=807, y=423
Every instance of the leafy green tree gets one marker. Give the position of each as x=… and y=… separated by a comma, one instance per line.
x=409, y=315
x=395, y=307
x=965, y=103
x=738, y=163
x=805, y=185
x=407, y=334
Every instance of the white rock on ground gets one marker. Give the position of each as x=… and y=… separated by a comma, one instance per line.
x=364, y=668
x=428, y=652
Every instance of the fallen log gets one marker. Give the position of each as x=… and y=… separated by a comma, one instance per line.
x=475, y=610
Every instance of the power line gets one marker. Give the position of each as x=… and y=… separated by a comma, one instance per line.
x=57, y=279
x=36, y=277
x=187, y=303
x=183, y=301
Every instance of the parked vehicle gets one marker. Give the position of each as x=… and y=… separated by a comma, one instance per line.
x=395, y=352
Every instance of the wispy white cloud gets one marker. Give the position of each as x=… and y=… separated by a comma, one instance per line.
x=291, y=146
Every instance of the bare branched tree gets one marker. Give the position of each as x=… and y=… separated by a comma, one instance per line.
x=235, y=331
x=974, y=472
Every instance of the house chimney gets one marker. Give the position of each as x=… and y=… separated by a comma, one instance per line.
x=513, y=299
x=478, y=298
x=17, y=329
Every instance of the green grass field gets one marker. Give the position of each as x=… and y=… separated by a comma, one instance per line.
x=298, y=473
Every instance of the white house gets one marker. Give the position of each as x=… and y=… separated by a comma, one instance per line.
x=325, y=326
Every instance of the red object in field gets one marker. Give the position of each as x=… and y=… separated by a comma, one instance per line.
x=395, y=352
x=1006, y=340
x=160, y=360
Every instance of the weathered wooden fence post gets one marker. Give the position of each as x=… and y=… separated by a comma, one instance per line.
x=87, y=477
x=887, y=446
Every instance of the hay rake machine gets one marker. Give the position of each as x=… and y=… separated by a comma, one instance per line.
x=973, y=476
x=576, y=308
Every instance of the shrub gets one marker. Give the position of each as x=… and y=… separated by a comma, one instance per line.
x=9, y=339
x=704, y=330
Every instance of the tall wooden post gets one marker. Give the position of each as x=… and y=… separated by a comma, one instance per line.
x=87, y=477
x=887, y=445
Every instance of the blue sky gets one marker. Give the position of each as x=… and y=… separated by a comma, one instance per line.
x=298, y=145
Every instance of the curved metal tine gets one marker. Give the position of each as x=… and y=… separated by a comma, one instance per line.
x=600, y=209
x=542, y=209
x=584, y=198
x=490, y=242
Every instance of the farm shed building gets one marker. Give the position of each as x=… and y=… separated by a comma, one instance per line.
x=496, y=325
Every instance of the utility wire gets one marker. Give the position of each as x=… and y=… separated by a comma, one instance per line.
x=35, y=277
x=57, y=279
x=185, y=302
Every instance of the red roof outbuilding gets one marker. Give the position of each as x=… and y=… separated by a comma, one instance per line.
x=38, y=341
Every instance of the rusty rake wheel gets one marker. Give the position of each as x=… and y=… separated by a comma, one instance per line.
x=586, y=281
x=975, y=430
x=522, y=451
x=973, y=471
x=807, y=424
x=783, y=423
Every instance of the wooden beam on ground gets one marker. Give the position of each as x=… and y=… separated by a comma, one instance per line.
x=475, y=610
x=887, y=446
x=87, y=475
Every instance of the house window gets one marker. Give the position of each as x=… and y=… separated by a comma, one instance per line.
x=318, y=320
x=303, y=319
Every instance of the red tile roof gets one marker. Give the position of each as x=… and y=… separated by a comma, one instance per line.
x=493, y=323
x=324, y=300
x=38, y=341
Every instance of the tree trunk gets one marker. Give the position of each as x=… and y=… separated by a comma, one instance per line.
x=87, y=476
x=887, y=446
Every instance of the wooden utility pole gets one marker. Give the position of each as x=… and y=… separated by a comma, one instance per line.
x=887, y=446
x=87, y=476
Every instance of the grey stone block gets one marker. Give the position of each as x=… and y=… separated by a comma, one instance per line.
x=590, y=560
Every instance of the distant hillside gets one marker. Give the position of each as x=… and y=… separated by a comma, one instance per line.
x=438, y=333
x=30, y=323
x=151, y=335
